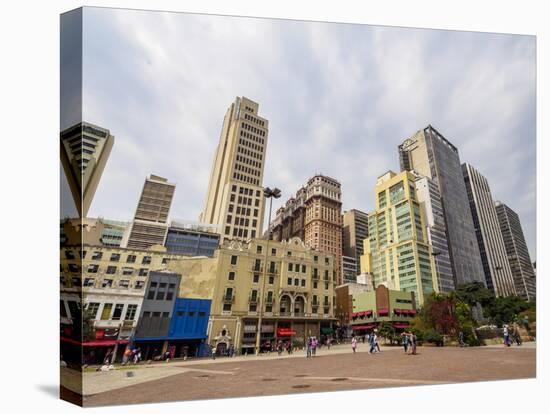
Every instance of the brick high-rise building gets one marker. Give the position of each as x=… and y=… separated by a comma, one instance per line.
x=314, y=215
x=150, y=221
x=235, y=200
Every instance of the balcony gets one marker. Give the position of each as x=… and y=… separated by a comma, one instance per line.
x=256, y=268
x=253, y=299
x=314, y=276
x=273, y=270
x=229, y=299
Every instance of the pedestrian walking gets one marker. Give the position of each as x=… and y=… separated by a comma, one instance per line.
x=213, y=349
x=413, y=343
x=353, y=344
x=461, y=339
x=376, y=344
x=371, y=343
x=506, y=335
x=314, y=345
x=405, y=341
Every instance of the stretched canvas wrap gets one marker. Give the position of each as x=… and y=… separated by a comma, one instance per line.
x=255, y=206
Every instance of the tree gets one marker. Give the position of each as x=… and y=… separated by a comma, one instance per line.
x=440, y=311
x=387, y=331
x=474, y=293
x=506, y=309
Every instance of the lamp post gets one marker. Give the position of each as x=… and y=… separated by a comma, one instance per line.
x=271, y=194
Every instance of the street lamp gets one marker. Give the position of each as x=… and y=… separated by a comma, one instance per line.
x=271, y=194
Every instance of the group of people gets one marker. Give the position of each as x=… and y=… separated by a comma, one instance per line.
x=408, y=339
x=372, y=340
x=511, y=336
x=311, y=346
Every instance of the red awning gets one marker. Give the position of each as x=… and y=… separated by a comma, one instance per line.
x=382, y=310
x=96, y=343
x=400, y=325
x=361, y=327
x=285, y=332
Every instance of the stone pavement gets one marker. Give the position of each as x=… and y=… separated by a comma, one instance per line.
x=330, y=370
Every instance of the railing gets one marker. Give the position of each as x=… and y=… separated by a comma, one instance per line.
x=256, y=268
x=253, y=299
x=229, y=299
x=273, y=270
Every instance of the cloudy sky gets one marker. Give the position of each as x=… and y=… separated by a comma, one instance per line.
x=339, y=99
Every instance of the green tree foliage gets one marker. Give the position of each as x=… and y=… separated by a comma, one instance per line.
x=386, y=330
x=505, y=309
x=473, y=293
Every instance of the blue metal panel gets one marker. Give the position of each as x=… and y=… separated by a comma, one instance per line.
x=189, y=319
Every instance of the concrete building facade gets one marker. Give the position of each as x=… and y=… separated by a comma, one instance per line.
x=349, y=269
x=431, y=155
x=517, y=252
x=85, y=149
x=149, y=226
x=431, y=207
x=192, y=239
x=315, y=216
x=355, y=231
x=498, y=275
x=235, y=200
x=397, y=252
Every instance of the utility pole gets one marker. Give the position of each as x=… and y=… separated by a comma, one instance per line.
x=271, y=194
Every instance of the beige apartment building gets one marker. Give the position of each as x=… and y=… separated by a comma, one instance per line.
x=235, y=200
x=149, y=226
x=397, y=251
x=290, y=286
x=314, y=215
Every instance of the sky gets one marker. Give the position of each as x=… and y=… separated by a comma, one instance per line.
x=339, y=99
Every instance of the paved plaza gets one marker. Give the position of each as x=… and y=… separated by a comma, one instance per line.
x=336, y=369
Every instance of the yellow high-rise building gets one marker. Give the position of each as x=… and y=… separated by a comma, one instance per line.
x=397, y=252
x=235, y=200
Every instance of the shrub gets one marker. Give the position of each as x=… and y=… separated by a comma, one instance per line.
x=432, y=336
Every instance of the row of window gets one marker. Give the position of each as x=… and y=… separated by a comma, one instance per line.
x=98, y=255
x=110, y=313
x=109, y=283
x=110, y=270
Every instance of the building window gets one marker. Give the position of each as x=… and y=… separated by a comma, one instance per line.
x=115, y=257
x=124, y=284
x=92, y=309
x=170, y=292
x=227, y=230
x=152, y=291
x=117, y=313
x=89, y=282
x=166, y=314
x=273, y=251
x=131, y=258
x=97, y=255
x=233, y=260
x=303, y=268
x=111, y=270
x=106, y=312
x=130, y=313
x=107, y=283
x=296, y=282
x=255, y=278
x=139, y=284
x=63, y=309
x=69, y=254
x=289, y=281
x=73, y=268
x=252, y=307
x=233, y=188
x=227, y=307
x=93, y=268
x=161, y=291
x=303, y=282
x=315, y=258
x=258, y=249
x=229, y=218
x=165, y=260
x=146, y=260
x=127, y=271
x=143, y=272
x=271, y=280
x=290, y=267
x=314, y=285
x=231, y=276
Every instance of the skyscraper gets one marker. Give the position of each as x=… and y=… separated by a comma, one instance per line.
x=516, y=250
x=235, y=200
x=150, y=221
x=355, y=230
x=85, y=149
x=315, y=216
x=397, y=251
x=436, y=231
x=428, y=153
x=498, y=275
